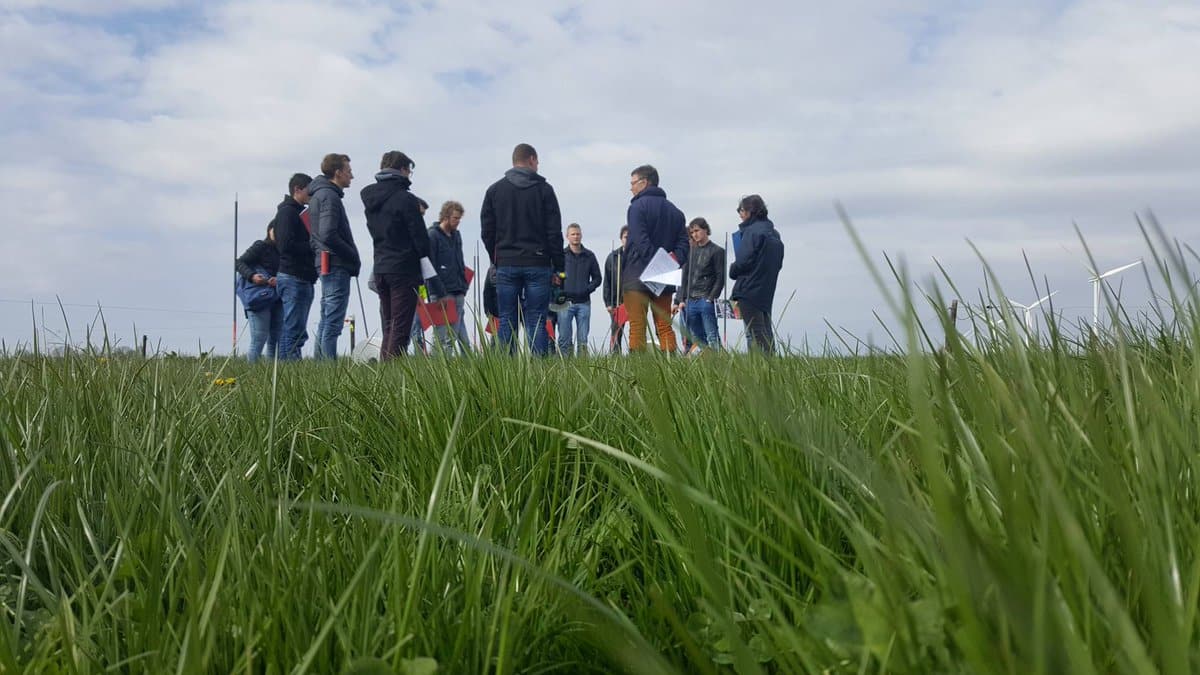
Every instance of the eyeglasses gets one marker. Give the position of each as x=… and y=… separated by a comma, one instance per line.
x=635, y=181
x=741, y=210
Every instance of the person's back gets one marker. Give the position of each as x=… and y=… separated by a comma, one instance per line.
x=521, y=227
x=297, y=275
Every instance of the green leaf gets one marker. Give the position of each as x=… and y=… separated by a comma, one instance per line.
x=419, y=666
x=367, y=665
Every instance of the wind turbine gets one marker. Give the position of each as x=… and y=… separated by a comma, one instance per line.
x=1029, y=309
x=1096, y=279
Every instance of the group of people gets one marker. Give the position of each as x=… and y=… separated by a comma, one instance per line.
x=531, y=270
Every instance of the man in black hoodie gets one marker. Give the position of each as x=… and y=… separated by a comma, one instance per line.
x=398, y=232
x=297, y=276
x=522, y=232
x=334, y=252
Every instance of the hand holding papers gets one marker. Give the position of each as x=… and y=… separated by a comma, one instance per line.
x=662, y=271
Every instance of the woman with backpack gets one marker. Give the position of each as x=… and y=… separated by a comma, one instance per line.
x=264, y=308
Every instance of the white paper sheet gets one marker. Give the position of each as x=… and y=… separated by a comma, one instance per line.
x=660, y=272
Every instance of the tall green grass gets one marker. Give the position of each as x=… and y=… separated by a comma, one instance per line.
x=990, y=507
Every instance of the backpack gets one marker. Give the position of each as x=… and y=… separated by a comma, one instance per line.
x=253, y=296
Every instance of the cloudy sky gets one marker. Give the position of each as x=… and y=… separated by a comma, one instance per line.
x=128, y=126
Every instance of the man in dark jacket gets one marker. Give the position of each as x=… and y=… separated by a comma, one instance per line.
x=398, y=233
x=756, y=272
x=582, y=278
x=613, y=297
x=703, y=281
x=446, y=254
x=522, y=231
x=297, y=276
x=334, y=253
x=654, y=223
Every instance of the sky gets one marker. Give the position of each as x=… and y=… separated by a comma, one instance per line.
x=948, y=130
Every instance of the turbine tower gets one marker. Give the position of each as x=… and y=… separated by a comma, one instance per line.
x=1096, y=279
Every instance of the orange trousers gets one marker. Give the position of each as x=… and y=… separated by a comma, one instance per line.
x=637, y=303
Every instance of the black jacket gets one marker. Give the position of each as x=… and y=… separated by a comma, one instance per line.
x=446, y=254
x=396, y=226
x=756, y=270
x=520, y=221
x=261, y=253
x=654, y=223
x=703, y=273
x=330, y=226
x=583, y=275
x=491, y=302
x=291, y=238
x=613, y=295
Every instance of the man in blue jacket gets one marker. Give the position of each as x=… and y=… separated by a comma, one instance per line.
x=654, y=223
x=334, y=253
x=756, y=273
x=446, y=254
x=521, y=226
x=582, y=279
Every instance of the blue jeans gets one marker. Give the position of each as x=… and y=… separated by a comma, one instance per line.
x=523, y=293
x=581, y=313
x=417, y=338
x=297, y=297
x=265, y=327
x=455, y=333
x=702, y=323
x=335, y=298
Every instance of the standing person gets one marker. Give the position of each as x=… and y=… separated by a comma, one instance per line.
x=398, y=232
x=418, y=331
x=756, y=272
x=491, y=306
x=297, y=276
x=703, y=281
x=613, y=296
x=259, y=265
x=333, y=248
x=654, y=223
x=582, y=279
x=522, y=232
x=446, y=254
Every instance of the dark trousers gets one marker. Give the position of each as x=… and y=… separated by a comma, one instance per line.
x=397, y=307
x=759, y=335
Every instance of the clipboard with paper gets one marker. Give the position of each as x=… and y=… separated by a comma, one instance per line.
x=660, y=272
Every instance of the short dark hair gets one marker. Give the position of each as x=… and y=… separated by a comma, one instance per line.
x=394, y=159
x=297, y=181
x=332, y=163
x=624, y=231
x=754, y=206
x=700, y=223
x=523, y=153
x=648, y=172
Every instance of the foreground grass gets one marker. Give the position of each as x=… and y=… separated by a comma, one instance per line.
x=1005, y=509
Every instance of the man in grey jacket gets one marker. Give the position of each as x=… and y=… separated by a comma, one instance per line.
x=334, y=252
x=703, y=281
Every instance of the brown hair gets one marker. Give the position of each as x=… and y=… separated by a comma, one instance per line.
x=448, y=208
x=700, y=223
x=394, y=159
x=333, y=163
x=523, y=153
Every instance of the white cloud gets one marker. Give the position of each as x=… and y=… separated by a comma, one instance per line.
x=934, y=123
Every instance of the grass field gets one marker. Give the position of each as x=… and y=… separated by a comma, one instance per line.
x=1004, y=509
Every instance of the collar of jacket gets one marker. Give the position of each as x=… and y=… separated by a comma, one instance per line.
x=747, y=223
x=289, y=200
x=393, y=175
x=582, y=249
x=652, y=191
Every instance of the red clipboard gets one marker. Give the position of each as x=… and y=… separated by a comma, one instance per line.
x=306, y=220
x=470, y=275
x=621, y=315
x=440, y=313
x=493, y=326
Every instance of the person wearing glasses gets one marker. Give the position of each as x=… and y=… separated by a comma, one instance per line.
x=654, y=223
x=756, y=272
